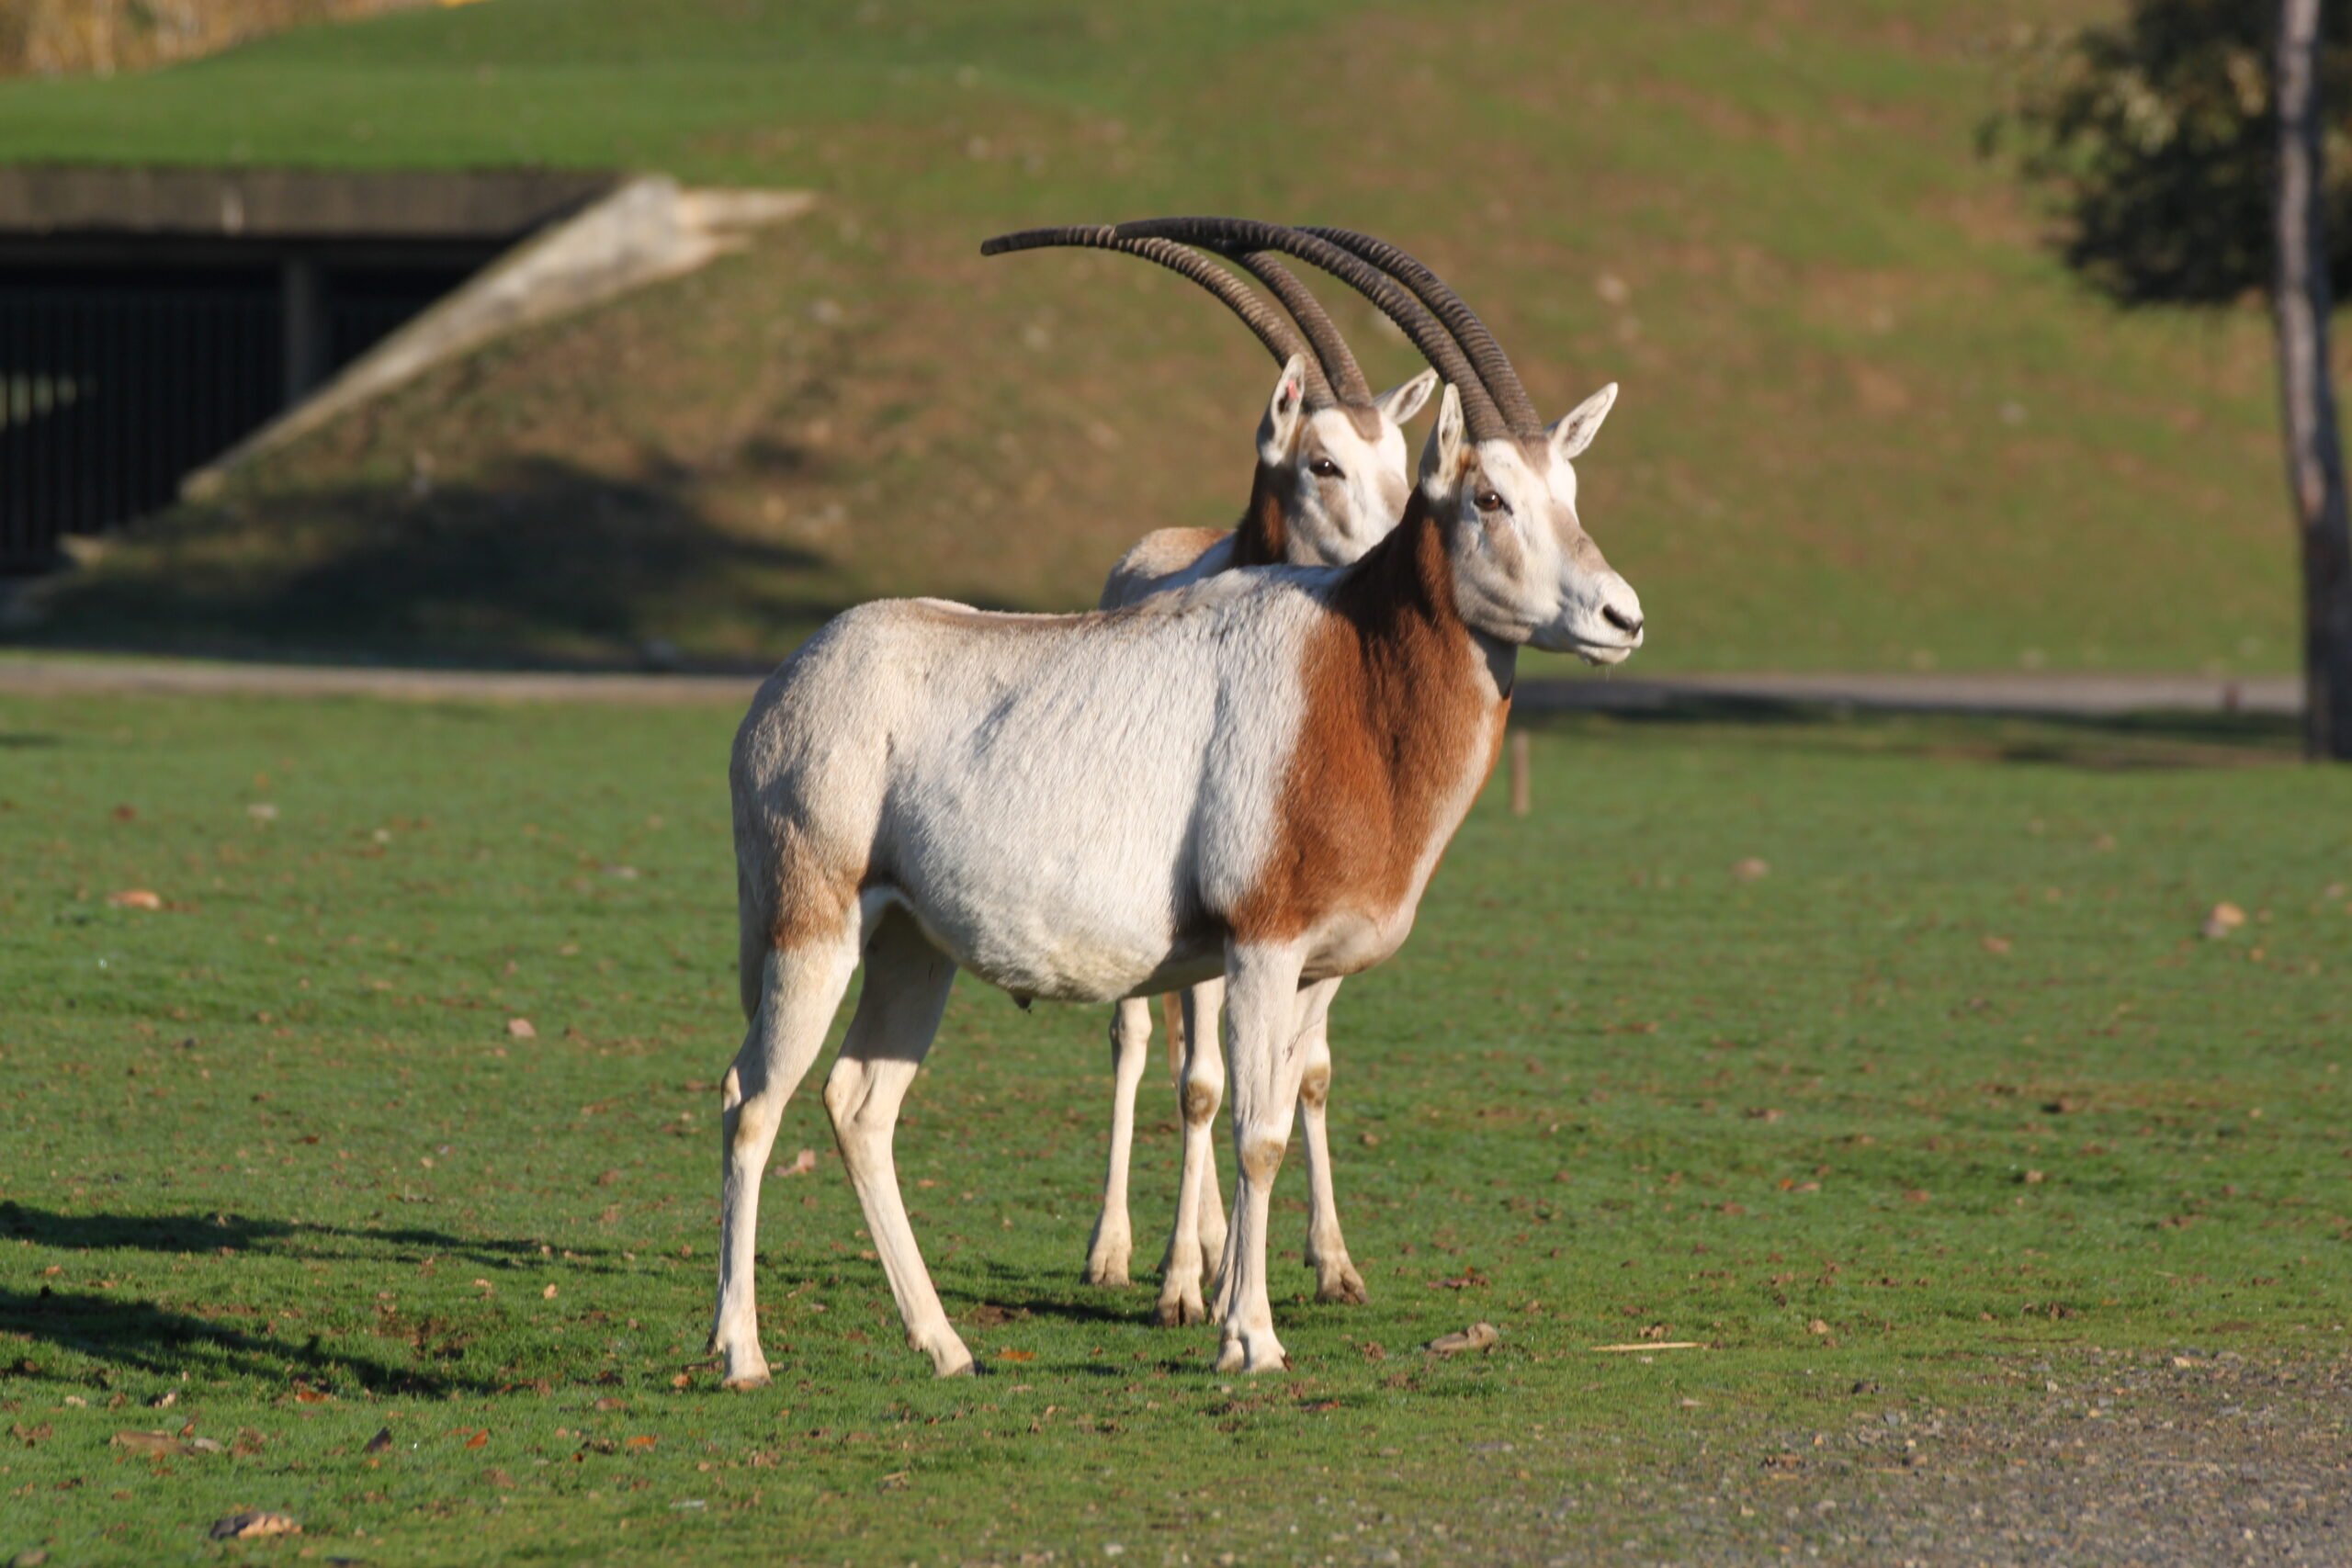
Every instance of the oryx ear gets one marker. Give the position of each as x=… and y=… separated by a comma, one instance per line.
x=1575, y=431
x=1278, y=432
x=1403, y=401
x=1442, y=452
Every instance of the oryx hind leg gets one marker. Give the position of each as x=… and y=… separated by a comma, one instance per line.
x=794, y=993
x=1335, y=1278
x=1200, y=1091
x=1108, y=1253
x=907, y=981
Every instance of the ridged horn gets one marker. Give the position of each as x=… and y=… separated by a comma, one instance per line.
x=1240, y=235
x=1494, y=367
x=1281, y=339
x=1339, y=360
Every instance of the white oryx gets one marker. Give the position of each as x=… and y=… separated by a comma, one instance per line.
x=1331, y=482
x=925, y=787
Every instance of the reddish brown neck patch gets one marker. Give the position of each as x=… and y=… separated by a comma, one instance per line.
x=1264, y=535
x=1394, y=717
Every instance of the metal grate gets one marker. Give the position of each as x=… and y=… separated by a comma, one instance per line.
x=115, y=381
x=109, y=392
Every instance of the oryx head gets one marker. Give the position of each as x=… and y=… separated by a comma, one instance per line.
x=1501, y=486
x=1333, y=471
x=1524, y=569
x=1337, y=474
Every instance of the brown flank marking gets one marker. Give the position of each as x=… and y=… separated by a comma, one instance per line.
x=1393, y=718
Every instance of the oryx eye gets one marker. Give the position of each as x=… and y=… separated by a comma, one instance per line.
x=1324, y=469
x=1488, y=501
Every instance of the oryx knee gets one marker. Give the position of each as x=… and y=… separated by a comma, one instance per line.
x=845, y=1096
x=1315, y=1086
x=1261, y=1151
x=1203, y=1094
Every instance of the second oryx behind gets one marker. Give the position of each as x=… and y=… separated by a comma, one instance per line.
x=1331, y=480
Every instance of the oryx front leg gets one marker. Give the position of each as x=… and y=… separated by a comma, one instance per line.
x=799, y=991
x=1335, y=1278
x=1261, y=1038
x=1193, y=1253
x=1107, y=1254
x=907, y=981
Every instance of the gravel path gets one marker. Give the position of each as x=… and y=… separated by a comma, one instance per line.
x=2057, y=695
x=2155, y=1460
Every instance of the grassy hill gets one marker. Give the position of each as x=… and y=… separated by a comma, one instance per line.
x=1867, y=421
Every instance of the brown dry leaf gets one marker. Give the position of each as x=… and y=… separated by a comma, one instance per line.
x=1478, y=1337
x=1816, y=1326
x=136, y=898
x=681, y=1380
x=164, y=1400
x=1919, y=1195
x=253, y=1525
x=610, y=1404
x=1644, y=1346
x=521, y=1029
x=2031, y=1179
x=2222, y=919
x=642, y=1444
x=150, y=1442
x=802, y=1164
x=479, y=1439
x=1752, y=869
x=548, y=1294
x=379, y=1442
x=1011, y=1355
x=305, y=1395
x=1996, y=945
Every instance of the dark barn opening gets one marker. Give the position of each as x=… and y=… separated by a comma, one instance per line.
x=151, y=320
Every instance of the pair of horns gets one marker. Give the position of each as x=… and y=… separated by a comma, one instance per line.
x=1446, y=330
x=1332, y=375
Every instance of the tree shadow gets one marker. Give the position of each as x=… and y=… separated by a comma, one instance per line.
x=129, y=1332
x=539, y=563
x=2149, y=741
x=193, y=1233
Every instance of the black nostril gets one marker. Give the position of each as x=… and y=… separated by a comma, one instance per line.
x=1630, y=625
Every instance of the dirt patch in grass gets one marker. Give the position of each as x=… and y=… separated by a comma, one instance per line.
x=2135, y=1457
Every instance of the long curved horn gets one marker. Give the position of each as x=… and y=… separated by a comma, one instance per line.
x=1429, y=334
x=1494, y=367
x=1281, y=339
x=1338, y=361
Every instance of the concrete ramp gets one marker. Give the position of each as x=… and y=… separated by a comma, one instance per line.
x=648, y=229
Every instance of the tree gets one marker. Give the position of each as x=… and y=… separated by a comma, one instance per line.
x=2190, y=142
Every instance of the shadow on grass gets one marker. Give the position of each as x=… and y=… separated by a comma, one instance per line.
x=126, y=1332
x=2097, y=742
x=194, y=1234
x=539, y=563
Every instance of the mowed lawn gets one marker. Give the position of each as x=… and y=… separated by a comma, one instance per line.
x=1883, y=1059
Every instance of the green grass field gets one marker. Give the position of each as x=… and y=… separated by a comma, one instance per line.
x=1869, y=422
x=1947, y=1115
